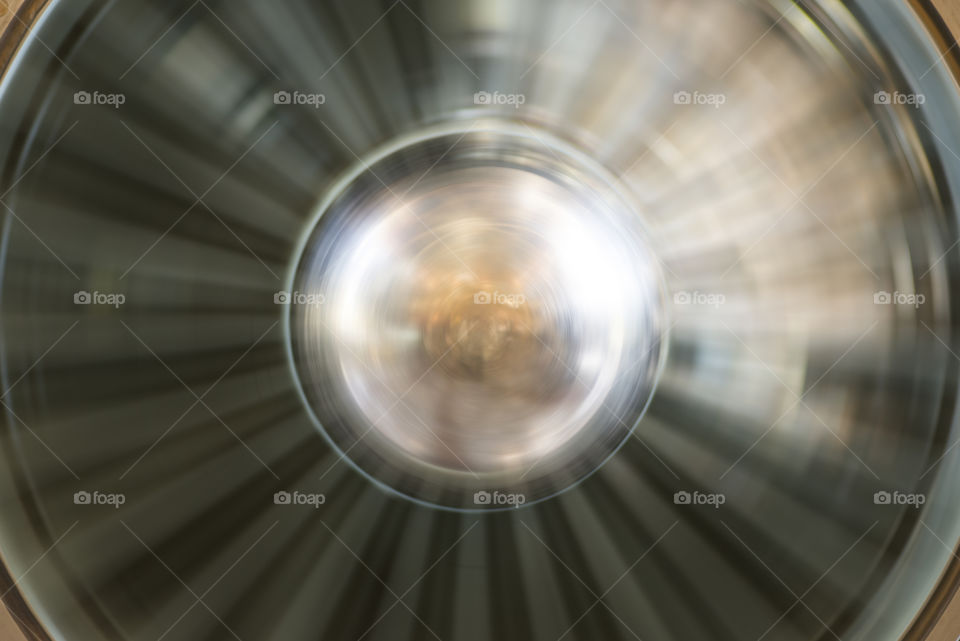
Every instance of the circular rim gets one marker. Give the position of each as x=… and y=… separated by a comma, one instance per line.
x=944, y=599
x=938, y=602
x=362, y=166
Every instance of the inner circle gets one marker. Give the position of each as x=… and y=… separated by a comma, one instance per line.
x=477, y=311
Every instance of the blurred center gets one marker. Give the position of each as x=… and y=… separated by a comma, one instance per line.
x=490, y=315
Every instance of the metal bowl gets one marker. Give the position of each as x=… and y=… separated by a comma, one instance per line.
x=479, y=320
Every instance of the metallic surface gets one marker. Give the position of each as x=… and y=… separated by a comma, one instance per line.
x=720, y=181
x=484, y=313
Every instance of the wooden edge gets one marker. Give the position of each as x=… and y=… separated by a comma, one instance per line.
x=16, y=17
x=949, y=11
x=942, y=21
x=17, y=620
x=940, y=618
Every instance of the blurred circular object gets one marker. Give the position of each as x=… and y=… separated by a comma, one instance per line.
x=477, y=310
x=294, y=296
